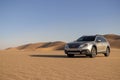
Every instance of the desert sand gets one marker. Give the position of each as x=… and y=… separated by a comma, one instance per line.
x=55, y=65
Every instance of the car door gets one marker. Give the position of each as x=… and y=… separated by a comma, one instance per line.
x=99, y=44
x=104, y=44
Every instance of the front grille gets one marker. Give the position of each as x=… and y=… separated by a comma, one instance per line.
x=74, y=51
x=74, y=45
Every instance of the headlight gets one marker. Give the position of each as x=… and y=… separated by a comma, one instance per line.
x=66, y=46
x=83, y=45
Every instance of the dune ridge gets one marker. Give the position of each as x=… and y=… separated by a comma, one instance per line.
x=57, y=45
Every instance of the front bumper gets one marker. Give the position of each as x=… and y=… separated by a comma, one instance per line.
x=77, y=51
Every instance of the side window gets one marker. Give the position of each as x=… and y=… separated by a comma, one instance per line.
x=98, y=38
x=103, y=40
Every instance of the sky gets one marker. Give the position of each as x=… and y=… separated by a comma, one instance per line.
x=31, y=21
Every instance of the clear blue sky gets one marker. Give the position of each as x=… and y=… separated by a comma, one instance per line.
x=29, y=21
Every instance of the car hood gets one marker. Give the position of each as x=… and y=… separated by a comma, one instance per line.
x=82, y=42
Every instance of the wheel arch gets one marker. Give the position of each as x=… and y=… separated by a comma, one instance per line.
x=108, y=47
x=95, y=47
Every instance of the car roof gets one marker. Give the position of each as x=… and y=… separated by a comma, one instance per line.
x=94, y=35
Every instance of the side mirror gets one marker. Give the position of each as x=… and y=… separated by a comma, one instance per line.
x=99, y=40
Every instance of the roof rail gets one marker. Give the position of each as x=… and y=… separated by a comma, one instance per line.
x=98, y=35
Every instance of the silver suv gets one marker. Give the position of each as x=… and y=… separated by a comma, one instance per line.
x=89, y=46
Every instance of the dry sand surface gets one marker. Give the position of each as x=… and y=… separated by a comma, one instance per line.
x=54, y=65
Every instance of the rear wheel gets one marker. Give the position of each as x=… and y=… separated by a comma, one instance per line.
x=93, y=52
x=70, y=55
x=107, y=52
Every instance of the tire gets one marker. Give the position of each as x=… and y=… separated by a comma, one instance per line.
x=66, y=52
x=70, y=55
x=87, y=55
x=107, y=53
x=93, y=52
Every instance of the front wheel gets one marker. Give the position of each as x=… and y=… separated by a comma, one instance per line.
x=107, y=52
x=93, y=52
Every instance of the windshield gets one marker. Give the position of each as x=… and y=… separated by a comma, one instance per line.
x=86, y=38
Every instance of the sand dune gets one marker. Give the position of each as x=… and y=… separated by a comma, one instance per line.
x=114, y=40
x=54, y=65
x=59, y=45
x=30, y=46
